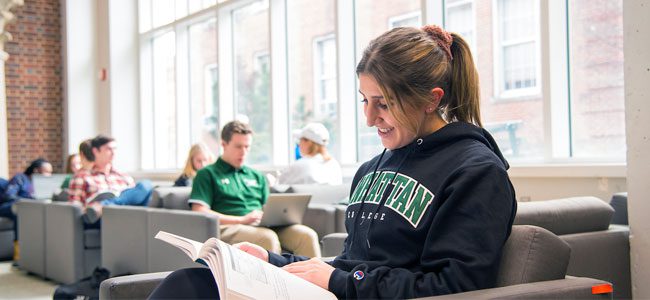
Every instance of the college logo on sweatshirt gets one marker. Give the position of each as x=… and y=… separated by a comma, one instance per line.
x=408, y=198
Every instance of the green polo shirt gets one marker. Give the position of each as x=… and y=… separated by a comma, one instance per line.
x=228, y=190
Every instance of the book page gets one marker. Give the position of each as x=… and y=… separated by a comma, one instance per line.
x=190, y=247
x=251, y=277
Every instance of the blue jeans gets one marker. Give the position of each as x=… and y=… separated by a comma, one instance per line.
x=137, y=196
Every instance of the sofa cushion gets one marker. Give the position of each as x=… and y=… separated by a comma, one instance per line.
x=92, y=239
x=567, y=215
x=6, y=224
x=532, y=254
x=170, y=197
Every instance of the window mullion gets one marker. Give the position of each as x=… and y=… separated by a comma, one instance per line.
x=347, y=81
x=279, y=83
x=555, y=73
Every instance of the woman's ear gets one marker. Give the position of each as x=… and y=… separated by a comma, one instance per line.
x=436, y=95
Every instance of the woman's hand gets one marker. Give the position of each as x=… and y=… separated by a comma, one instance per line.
x=314, y=270
x=253, y=250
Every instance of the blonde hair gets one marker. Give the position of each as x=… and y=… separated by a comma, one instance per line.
x=315, y=148
x=407, y=63
x=197, y=148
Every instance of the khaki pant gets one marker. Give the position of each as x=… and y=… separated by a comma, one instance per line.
x=299, y=239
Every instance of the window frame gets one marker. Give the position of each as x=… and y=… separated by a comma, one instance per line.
x=320, y=78
x=500, y=93
x=551, y=78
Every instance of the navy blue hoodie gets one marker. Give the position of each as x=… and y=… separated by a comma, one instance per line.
x=433, y=221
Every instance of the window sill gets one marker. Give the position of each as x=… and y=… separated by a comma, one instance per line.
x=569, y=170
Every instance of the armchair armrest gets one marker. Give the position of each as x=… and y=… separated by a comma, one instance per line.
x=64, y=242
x=568, y=288
x=321, y=218
x=332, y=244
x=130, y=287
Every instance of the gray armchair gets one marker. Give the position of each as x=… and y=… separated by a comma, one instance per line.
x=598, y=249
x=31, y=222
x=533, y=267
x=71, y=251
x=54, y=243
x=128, y=233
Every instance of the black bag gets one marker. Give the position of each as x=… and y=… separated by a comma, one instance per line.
x=86, y=288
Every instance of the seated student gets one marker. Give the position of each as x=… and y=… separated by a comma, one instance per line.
x=199, y=157
x=72, y=165
x=86, y=155
x=430, y=215
x=20, y=186
x=236, y=193
x=316, y=165
x=102, y=179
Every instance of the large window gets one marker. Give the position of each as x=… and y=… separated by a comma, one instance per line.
x=279, y=64
x=372, y=19
x=253, y=76
x=203, y=113
x=460, y=19
x=518, y=33
x=570, y=116
x=312, y=80
x=597, y=95
x=179, y=88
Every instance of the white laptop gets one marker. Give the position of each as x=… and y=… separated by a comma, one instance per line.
x=284, y=209
x=45, y=186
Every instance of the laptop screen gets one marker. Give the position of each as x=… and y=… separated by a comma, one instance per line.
x=45, y=186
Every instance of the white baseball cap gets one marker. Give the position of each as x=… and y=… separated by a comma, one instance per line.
x=315, y=132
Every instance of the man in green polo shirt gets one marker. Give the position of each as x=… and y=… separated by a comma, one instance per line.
x=236, y=193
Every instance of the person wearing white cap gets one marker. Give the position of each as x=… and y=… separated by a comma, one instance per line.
x=316, y=165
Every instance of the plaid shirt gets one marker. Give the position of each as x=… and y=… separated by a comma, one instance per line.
x=87, y=183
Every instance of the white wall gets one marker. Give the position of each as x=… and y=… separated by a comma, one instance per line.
x=80, y=103
x=93, y=41
x=636, y=26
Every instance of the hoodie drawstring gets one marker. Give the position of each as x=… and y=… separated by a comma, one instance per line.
x=385, y=195
x=363, y=199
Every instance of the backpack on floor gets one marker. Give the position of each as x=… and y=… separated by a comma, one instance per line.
x=86, y=288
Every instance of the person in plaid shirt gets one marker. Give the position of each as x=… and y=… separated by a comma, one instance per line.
x=103, y=185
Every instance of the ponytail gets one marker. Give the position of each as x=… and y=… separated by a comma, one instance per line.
x=463, y=94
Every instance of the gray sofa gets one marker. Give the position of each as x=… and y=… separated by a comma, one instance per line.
x=598, y=249
x=533, y=266
x=129, y=246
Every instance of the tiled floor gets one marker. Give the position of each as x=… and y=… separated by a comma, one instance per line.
x=17, y=284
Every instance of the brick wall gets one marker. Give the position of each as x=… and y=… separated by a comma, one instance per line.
x=34, y=85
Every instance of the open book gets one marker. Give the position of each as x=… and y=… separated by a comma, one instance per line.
x=240, y=275
x=102, y=195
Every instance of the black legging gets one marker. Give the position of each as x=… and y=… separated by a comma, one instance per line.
x=194, y=283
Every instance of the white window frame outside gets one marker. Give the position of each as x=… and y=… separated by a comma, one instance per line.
x=498, y=60
x=459, y=3
x=323, y=106
x=392, y=21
